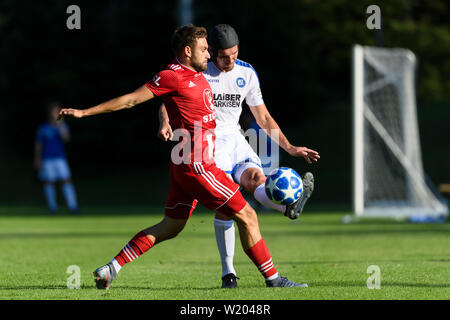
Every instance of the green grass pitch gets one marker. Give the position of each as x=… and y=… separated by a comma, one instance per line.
x=333, y=258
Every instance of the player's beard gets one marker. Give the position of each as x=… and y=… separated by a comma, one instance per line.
x=200, y=66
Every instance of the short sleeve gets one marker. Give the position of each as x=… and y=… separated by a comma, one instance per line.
x=254, y=95
x=165, y=82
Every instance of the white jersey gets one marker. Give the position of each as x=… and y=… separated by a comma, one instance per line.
x=230, y=89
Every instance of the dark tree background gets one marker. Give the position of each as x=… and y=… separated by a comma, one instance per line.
x=301, y=50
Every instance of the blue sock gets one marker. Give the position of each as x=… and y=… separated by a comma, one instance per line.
x=50, y=196
x=70, y=196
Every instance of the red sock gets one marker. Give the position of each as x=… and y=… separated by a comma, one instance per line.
x=260, y=256
x=135, y=248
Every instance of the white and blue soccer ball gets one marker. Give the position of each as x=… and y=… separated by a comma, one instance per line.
x=284, y=186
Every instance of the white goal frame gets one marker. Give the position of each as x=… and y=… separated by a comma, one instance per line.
x=409, y=157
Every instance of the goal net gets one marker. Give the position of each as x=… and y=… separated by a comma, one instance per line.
x=389, y=180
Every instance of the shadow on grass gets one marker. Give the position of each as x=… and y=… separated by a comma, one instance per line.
x=333, y=263
x=119, y=287
x=34, y=287
x=383, y=284
x=62, y=235
x=403, y=231
x=312, y=284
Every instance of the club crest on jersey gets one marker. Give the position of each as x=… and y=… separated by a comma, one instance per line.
x=208, y=99
x=240, y=82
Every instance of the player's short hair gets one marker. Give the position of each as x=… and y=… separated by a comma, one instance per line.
x=222, y=36
x=186, y=36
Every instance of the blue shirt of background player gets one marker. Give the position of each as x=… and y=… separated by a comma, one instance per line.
x=51, y=140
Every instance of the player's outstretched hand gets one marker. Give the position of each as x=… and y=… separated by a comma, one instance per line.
x=70, y=112
x=165, y=132
x=309, y=154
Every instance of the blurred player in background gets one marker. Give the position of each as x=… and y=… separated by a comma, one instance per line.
x=190, y=106
x=233, y=81
x=51, y=162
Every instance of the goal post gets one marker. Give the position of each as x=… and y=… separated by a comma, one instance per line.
x=388, y=176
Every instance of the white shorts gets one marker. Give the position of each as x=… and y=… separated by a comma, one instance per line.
x=234, y=155
x=54, y=169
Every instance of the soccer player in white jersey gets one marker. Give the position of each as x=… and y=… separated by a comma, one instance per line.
x=232, y=81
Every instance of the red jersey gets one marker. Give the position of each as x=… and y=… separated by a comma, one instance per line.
x=190, y=106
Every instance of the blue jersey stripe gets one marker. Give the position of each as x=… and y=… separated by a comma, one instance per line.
x=247, y=65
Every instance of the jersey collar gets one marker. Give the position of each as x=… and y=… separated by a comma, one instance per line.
x=185, y=66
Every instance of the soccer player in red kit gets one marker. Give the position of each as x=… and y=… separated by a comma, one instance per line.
x=194, y=176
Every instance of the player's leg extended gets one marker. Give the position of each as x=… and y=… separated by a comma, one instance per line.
x=256, y=249
x=178, y=209
x=252, y=179
x=248, y=173
x=143, y=241
x=167, y=229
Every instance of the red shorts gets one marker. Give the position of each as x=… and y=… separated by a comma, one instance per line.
x=207, y=184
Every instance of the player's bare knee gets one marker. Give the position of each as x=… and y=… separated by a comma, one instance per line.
x=251, y=178
x=259, y=179
x=246, y=217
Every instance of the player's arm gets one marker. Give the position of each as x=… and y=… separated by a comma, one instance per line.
x=268, y=124
x=165, y=130
x=126, y=101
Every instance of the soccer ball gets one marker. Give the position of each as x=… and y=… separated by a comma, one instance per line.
x=284, y=186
